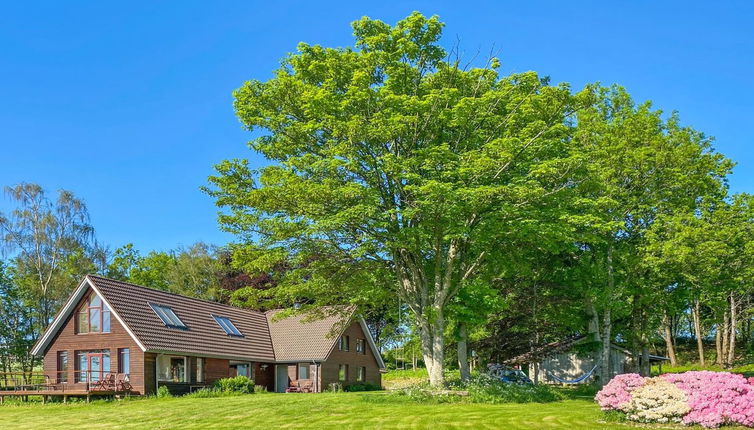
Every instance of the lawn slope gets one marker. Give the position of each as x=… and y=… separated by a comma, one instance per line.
x=300, y=411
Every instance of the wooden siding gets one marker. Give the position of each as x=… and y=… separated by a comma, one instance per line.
x=265, y=377
x=67, y=340
x=329, y=368
x=570, y=366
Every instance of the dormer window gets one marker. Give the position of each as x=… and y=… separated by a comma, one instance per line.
x=167, y=316
x=93, y=316
x=227, y=325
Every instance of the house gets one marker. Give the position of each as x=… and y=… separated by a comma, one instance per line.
x=574, y=360
x=151, y=338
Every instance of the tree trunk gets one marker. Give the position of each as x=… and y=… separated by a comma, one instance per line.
x=725, y=338
x=695, y=313
x=668, y=336
x=718, y=344
x=732, y=331
x=433, y=347
x=646, y=367
x=463, y=359
x=607, y=323
x=606, y=345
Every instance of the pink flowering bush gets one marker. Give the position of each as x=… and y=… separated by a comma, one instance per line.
x=710, y=399
x=616, y=395
x=716, y=398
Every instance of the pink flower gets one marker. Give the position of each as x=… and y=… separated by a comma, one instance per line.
x=716, y=398
x=616, y=395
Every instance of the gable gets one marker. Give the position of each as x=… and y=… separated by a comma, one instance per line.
x=357, y=330
x=67, y=312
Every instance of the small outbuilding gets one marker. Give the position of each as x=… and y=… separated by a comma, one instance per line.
x=574, y=361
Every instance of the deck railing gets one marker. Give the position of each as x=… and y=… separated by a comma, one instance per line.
x=88, y=380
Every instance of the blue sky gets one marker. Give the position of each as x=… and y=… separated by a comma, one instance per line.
x=129, y=105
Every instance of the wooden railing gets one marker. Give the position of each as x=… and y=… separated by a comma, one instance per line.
x=87, y=380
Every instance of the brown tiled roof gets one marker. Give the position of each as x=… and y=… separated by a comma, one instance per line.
x=296, y=338
x=203, y=336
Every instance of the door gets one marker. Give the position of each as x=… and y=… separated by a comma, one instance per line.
x=281, y=378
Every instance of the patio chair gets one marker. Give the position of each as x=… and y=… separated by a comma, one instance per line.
x=306, y=385
x=107, y=383
x=122, y=383
x=295, y=387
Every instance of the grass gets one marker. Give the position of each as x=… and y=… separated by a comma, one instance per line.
x=746, y=370
x=374, y=410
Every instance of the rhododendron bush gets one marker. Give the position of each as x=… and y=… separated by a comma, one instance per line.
x=710, y=399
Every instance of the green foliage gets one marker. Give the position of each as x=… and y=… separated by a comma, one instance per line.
x=362, y=387
x=163, y=392
x=206, y=393
x=194, y=271
x=334, y=387
x=260, y=389
x=236, y=384
x=395, y=171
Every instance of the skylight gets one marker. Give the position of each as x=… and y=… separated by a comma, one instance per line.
x=227, y=325
x=167, y=316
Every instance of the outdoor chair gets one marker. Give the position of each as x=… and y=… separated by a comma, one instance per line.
x=122, y=383
x=107, y=383
x=295, y=387
x=306, y=385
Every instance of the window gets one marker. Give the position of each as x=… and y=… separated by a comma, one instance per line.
x=343, y=343
x=124, y=360
x=303, y=371
x=199, y=369
x=62, y=366
x=93, y=316
x=242, y=369
x=227, y=325
x=361, y=346
x=361, y=375
x=167, y=316
x=343, y=372
x=171, y=368
x=91, y=366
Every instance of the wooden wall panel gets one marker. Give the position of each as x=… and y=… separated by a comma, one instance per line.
x=67, y=340
x=329, y=369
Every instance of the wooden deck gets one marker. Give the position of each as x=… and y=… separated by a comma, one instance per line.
x=24, y=385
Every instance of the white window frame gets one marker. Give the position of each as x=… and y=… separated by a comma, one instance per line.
x=186, y=374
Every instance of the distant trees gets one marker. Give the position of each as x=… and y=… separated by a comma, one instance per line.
x=194, y=271
x=49, y=242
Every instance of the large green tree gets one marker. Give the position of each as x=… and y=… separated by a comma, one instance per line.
x=642, y=166
x=393, y=167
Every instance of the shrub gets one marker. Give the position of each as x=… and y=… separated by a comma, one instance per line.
x=616, y=395
x=712, y=399
x=716, y=398
x=237, y=384
x=206, y=393
x=335, y=387
x=486, y=389
x=658, y=401
x=261, y=389
x=362, y=387
x=163, y=392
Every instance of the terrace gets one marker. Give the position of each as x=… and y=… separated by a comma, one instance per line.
x=85, y=384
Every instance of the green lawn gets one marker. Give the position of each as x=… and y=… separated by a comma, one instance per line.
x=299, y=411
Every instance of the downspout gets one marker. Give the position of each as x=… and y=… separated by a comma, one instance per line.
x=316, y=376
x=156, y=373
